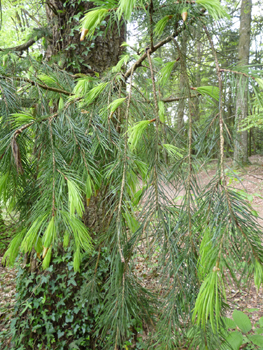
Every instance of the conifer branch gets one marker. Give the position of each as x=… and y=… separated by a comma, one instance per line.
x=237, y=72
x=156, y=110
x=124, y=171
x=138, y=63
x=50, y=118
x=24, y=46
x=32, y=82
x=53, y=168
x=151, y=10
x=174, y=99
x=190, y=131
x=220, y=85
x=18, y=131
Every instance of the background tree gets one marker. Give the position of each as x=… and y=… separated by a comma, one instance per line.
x=241, y=142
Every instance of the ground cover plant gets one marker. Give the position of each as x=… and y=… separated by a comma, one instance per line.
x=94, y=163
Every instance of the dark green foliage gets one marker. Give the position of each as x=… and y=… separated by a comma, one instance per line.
x=50, y=311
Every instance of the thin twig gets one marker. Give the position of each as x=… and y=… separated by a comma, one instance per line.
x=32, y=82
x=221, y=122
x=54, y=169
x=156, y=110
x=138, y=63
x=188, y=186
x=236, y=72
x=124, y=171
x=151, y=10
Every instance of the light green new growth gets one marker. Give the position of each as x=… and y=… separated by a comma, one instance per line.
x=214, y=8
x=94, y=93
x=75, y=199
x=80, y=232
x=89, y=186
x=258, y=274
x=93, y=19
x=159, y=28
x=208, y=254
x=50, y=234
x=131, y=221
x=125, y=8
x=115, y=104
x=161, y=111
x=212, y=91
x=21, y=118
x=122, y=61
x=82, y=87
x=47, y=80
x=61, y=103
x=165, y=72
x=66, y=240
x=173, y=150
x=136, y=133
x=32, y=234
x=77, y=260
x=13, y=249
x=208, y=304
x=3, y=185
x=260, y=82
x=47, y=259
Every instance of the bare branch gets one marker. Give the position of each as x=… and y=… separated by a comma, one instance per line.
x=138, y=63
x=173, y=99
x=38, y=84
x=24, y=46
x=237, y=72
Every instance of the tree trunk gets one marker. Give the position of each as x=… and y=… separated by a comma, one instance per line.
x=241, y=138
x=87, y=57
x=65, y=46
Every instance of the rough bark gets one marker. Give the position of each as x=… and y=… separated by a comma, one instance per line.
x=241, y=138
x=85, y=57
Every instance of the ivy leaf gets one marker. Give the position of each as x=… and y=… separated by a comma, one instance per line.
x=60, y=334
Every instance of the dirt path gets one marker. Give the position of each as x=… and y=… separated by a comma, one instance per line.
x=7, y=297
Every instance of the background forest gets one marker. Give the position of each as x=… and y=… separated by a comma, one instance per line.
x=111, y=114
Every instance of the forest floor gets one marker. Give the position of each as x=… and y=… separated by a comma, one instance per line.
x=248, y=179
x=246, y=299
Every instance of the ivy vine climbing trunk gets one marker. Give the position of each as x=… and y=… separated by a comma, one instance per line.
x=241, y=138
x=65, y=46
x=87, y=57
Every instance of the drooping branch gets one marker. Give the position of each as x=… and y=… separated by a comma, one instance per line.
x=32, y=82
x=24, y=46
x=173, y=99
x=50, y=118
x=138, y=63
x=237, y=72
x=220, y=86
